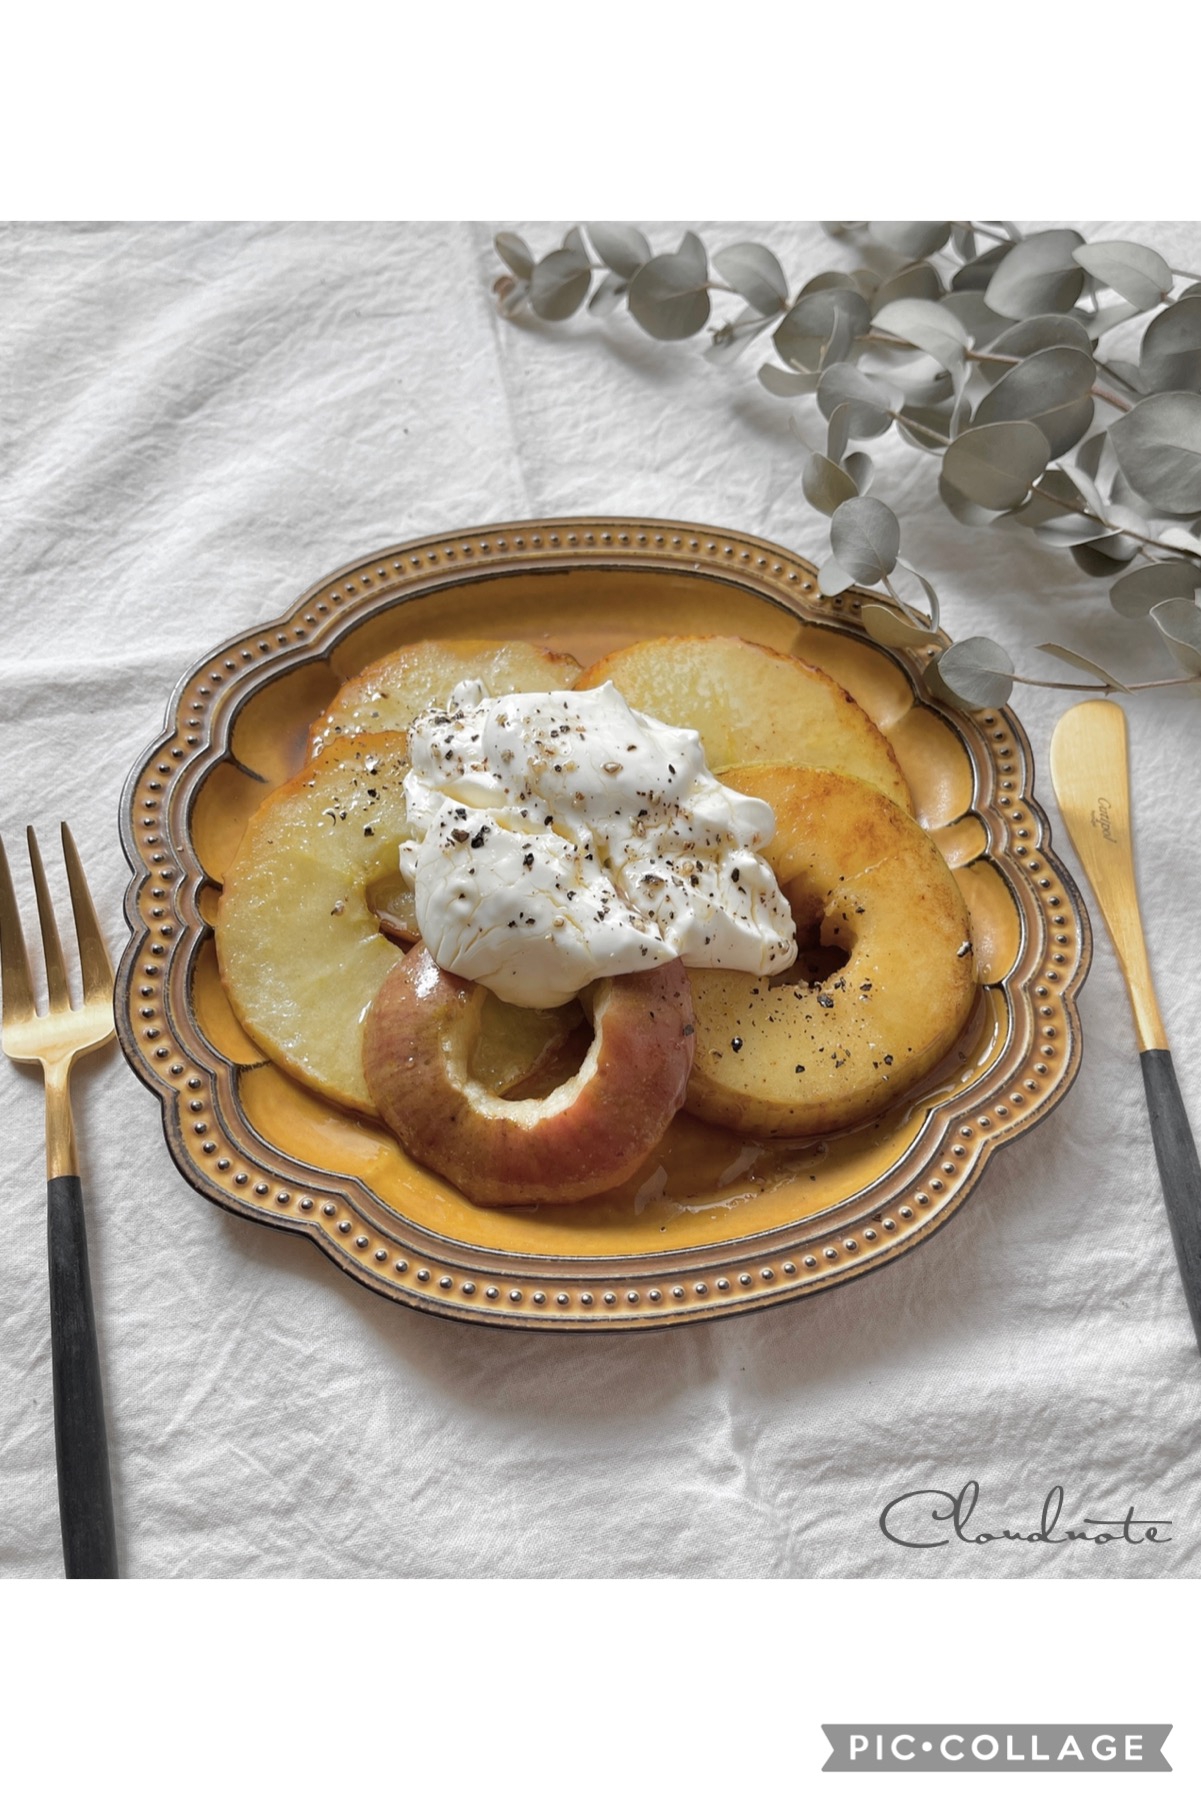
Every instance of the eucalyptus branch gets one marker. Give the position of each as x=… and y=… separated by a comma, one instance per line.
x=1085, y=512
x=1031, y=307
x=1106, y=687
x=990, y=356
x=1114, y=376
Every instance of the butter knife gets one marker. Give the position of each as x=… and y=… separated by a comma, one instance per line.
x=1090, y=775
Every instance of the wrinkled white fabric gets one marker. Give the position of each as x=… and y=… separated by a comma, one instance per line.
x=196, y=422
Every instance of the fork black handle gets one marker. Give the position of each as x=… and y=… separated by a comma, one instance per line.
x=85, y=1501
x=1179, y=1171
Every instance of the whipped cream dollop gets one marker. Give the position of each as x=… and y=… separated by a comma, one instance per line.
x=561, y=837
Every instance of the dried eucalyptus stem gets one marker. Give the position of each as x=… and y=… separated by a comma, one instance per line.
x=987, y=358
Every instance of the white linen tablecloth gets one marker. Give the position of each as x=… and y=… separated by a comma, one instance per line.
x=199, y=421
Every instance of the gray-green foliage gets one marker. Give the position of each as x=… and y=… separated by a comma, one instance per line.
x=981, y=344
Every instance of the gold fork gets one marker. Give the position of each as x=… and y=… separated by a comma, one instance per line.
x=56, y=1038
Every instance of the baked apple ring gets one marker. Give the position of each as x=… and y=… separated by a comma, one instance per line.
x=306, y=921
x=388, y=694
x=802, y=1057
x=592, y=1132
x=299, y=947
x=751, y=704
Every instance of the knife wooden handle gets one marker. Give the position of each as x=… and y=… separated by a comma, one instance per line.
x=1179, y=1171
x=85, y=1501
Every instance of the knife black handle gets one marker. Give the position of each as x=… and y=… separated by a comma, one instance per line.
x=85, y=1501
x=1179, y=1171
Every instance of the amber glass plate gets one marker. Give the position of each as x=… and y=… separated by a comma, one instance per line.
x=714, y=1224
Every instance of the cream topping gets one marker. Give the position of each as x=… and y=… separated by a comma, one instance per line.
x=560, y=837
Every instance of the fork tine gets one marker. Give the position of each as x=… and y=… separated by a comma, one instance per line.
x=14, y=962
x=56, y=974
x=94, y=963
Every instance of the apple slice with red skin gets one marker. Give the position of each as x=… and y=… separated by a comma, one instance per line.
x=590, y=1134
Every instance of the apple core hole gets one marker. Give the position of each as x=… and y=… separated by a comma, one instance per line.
x=819, y=954
x=560, y=1066
x=525, y=1053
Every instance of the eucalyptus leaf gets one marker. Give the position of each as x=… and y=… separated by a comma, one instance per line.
x=693, y=254
x=803, y=332
x=1050, y=388
x=786, y=384
x=668, y=296
x=1088, y=456
x=1103, y=558
x=925, y=324
x=1180, y=622
x=978, y=672
x=1083, y=662
x=924, y=384
x=1130, y=519
x=752, y=271
x=1139, y=275
x=885, y=625
x=838, y=432
x=1170, y=356
x=607, y=295
x=937, y=688
x=1068, y=532
x=975, y=276
x=841, y=228
x=978, y=319
x=515, y=253
x=871, y=403
x=1106, y=318
x=858, y=466
x=1158, y=447
x=1037, y=275
x=1083, y=480
x=559, y=284
x=1121, y=493
x=866, y=281
x=960, y=507
x=996, y=465
x=1046, y=331
x=1069, y=529
x=1190, y=292
x=622, y=248
x=829, y=278
x=1179, y=538
x=1135, y=593
x=511, y=294
x=1051, y=499
x=832, y=578
x=913, y=240
x=840, y=343
x=865, y=536
x=826, y=485
x=927, y=588
x=917, y=281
